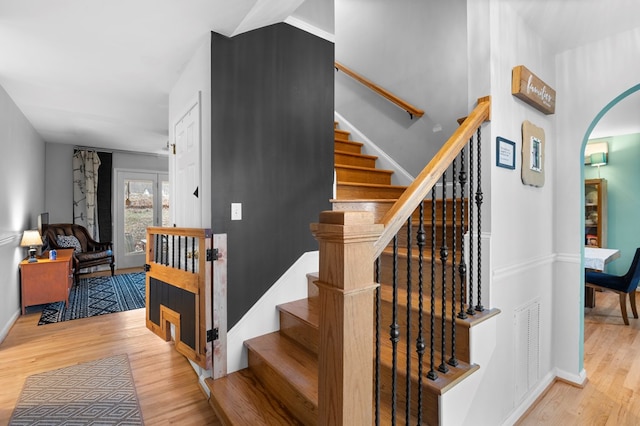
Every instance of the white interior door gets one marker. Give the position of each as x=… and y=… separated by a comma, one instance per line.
x=142, y=200
x=186, y=198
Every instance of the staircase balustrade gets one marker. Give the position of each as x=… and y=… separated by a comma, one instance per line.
x=352, y=256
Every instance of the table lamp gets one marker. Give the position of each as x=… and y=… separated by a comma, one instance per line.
x=31, y=238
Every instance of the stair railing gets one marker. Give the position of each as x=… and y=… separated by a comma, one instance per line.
x=350, y=382
x=412, y=110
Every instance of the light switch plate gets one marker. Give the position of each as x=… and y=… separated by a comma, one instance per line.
x=236, y=211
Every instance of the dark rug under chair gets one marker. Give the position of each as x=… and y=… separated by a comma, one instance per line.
x=98, y=296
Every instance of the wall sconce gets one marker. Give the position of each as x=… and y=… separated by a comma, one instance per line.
x=31, y=238
x=598, y=159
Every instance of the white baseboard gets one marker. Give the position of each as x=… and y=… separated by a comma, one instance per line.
x=7, y=327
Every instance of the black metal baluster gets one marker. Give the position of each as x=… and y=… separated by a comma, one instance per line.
x=173, y=251
x=394, y=332
x=408, y=369
x=432, y=375
x=193, y=254
x=444, y=255
x=156, y=254
x=462, y=267
x=420, y=345
x=479, y=197
x=470, y=309
x=179, y=250
x=186, y=253
x=378, y=342
x=454, y=215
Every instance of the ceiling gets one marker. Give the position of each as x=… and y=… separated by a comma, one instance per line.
x=97, y=73
x=567, y=24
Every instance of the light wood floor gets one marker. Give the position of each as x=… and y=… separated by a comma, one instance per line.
x=166, y=384
x=169, y=393
x=612, y=360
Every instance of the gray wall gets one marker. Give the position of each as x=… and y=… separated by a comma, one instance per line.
x=59, y=182
x=22, y=185
x=272, y=151
x=418, y=51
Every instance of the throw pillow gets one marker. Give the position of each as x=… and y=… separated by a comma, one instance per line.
x=69, y=241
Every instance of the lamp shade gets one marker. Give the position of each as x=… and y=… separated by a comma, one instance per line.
x=30, y=238
x=598, y=159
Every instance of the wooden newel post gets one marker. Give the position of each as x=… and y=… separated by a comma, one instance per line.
x=346, y=293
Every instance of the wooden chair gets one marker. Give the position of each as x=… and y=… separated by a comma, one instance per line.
x=623, y=285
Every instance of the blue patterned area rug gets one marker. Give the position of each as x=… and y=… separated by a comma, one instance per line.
x=100, y=392
x=98, y=296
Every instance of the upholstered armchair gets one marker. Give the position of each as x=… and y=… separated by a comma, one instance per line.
x=621, y=284
x=88, y=252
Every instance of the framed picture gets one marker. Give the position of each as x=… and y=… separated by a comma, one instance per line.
x=533, y=143
x=505, y=153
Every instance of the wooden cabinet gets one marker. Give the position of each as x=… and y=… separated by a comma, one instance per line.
x=47, y=281
x=595, y=212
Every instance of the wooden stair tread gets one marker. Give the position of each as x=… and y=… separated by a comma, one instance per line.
x=367, y=169
x=289, y=360
x=240, y=399
x=370, y=185
x=443, y=383
x=349, y=142
x=355, y=154
x=305, y=310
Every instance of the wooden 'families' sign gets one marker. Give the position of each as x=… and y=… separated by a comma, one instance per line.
x=527, y=86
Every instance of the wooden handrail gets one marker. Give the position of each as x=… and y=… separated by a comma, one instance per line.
x=412, y=110
x=428, y=177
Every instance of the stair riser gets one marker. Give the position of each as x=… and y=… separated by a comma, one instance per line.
x=403, y=238
x=380, y=208
x=386, y=275
x=300, y=331
x=462, y=332
x=341, y=134
x=353, y=160
x=347, y=146
x=363, y=176
x=429, y=399
x=303, y=409
x=345, y=191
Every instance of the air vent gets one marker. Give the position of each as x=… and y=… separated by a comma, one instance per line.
x=527, y=347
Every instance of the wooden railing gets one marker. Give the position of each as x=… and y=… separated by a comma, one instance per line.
x=412, y=110
x=349, y=243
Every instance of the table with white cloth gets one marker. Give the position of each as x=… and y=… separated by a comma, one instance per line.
x=596, y=258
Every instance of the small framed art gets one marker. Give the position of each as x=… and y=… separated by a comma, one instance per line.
x=505, y=153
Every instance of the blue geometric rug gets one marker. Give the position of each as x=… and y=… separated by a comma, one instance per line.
x=98, y=296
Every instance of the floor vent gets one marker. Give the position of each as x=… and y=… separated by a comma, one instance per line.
x=527, y=347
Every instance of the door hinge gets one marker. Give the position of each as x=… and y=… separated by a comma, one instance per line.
x=212, y=335
x=212, y=254
x=147, y=267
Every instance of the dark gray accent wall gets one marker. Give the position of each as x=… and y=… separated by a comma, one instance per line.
x=272, y=150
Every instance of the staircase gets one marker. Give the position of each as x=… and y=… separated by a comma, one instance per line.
x=280, y=385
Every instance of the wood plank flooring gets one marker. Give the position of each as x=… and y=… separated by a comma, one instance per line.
x=166, y=385
x=169, y=393
x=612, y=360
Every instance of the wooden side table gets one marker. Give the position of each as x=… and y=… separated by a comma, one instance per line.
x=47, y=281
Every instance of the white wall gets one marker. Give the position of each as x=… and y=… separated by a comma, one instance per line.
x=589, y=78
x=196, y=77
x=59, y=172
x=522, y=229
x=22, y=177
x=414, y=49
